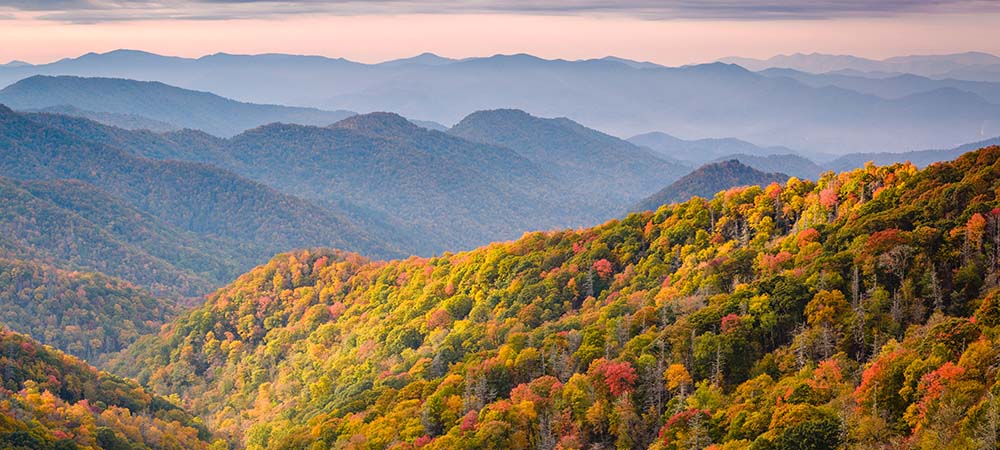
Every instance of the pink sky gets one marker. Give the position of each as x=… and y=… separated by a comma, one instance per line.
x=372, y=38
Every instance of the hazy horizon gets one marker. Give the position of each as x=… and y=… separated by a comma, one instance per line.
x=472, y=56
x=670, y=33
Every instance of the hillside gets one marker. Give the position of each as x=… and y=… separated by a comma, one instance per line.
x=75, y=226
x=180, y=108
x=217, y=212
x=607, y=170
x=85, y=314
x=709, y=179
x=126, y=121
x=49, y=400
x=859, y=310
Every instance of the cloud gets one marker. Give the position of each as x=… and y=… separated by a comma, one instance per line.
x=127, y=10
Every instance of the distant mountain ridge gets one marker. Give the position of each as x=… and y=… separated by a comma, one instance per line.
x=977, y=66
x=919, y=158
x=180, y=108
x=700, y=151
x=619, y=97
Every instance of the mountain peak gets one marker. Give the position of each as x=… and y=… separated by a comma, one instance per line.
x=708, y=180
x=719, y=67
x=494, y=114
x=425, y=59
x=381, y=123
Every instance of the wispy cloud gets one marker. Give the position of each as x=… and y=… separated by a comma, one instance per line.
x=130, y=10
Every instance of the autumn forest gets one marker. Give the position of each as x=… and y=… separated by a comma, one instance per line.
x=264, y=248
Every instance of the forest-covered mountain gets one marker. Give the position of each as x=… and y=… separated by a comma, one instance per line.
x=405, y=173
x=398, y=179
x=708, y=180
x=861, y=310
x=52, y=401
x=596, y=166
x=194, y=217
x=620, y=97
x=73, y=225
x=85, y=314
x=794, y=165
x=178, y=107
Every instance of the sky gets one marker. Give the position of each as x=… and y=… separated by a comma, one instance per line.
x=671, y=32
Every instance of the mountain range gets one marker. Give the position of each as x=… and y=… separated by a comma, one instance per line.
x=206, y=222
x=153, y=101
x=972, y=66
x=700, y=151
x=620, y=97
x=198, y=209
x=860, y=309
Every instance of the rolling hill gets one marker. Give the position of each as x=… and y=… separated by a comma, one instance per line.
x=709, y=179
x=860, y=310
x=180, y=108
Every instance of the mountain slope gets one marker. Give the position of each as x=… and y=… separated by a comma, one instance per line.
x=181, y=108
x=606, y=170
x=126, y=121
x=49, y=400
x=85, y=314
x=861, y=310
x=191, y=197
x=385, y=163
x=709, y=179
x=77, y=227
